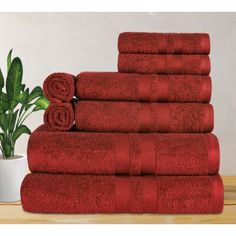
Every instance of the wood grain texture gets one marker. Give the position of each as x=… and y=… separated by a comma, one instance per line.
x=12, y=213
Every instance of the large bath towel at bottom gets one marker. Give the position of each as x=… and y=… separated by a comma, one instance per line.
x=58, y=193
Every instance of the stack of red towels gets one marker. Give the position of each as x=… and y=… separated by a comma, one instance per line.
x=133, y=141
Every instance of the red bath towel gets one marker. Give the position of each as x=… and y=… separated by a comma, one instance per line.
x=54, y=193
x=119, y=153
x=137, y=87
x=144, y=117
x=59, y=116
x=59, y=87
x=164, y=64
x=172, y=43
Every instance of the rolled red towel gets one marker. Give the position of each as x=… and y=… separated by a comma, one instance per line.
x=59, y=116
x=59, y=87
x=148, y=87
x=119, y=153
x=55, y=193
x=144, y=117
x=172, y=43
x=164, y=64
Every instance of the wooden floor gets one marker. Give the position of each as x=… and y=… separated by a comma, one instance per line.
x=13, y=213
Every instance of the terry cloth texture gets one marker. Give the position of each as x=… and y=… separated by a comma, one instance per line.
x=169, y=43
x=148, y=87
x=164, y=64
x=59, y=116
x=53, y=193
x=59, y=87
x=104, y=116
x=137, y=141
x=118, y=153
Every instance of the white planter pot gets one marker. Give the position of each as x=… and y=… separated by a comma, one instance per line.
x=12, y=173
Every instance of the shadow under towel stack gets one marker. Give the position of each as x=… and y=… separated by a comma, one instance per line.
x=137, y=141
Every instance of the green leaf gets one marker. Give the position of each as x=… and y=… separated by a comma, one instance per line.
x=37, y=109
x=3, y=122
x=13, y=121
x=23, y=87
x=1, y=137
x=13, y=104
x=22, y=129
x=23, y=97
x=14, y=79
x=1, y=80
x=35, y=93
x=28, y=106
x=1, y=109
x=9, y=60
x=4, y=97
x=41, y=104
x=4, y=106
x=4, y=103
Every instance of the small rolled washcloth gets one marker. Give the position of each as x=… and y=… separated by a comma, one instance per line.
x=59, y=116
x=59, y=87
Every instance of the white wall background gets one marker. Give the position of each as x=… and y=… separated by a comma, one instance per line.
x=75, y=42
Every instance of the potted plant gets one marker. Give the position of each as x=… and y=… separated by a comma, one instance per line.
x=16, y=104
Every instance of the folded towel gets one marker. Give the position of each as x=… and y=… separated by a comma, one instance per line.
x=119, y=153
x=164, y=64
x=59, y=116
x=143, y=117
x=54, y=193
x=137, y=87
x=59, y=87
x=180, y=43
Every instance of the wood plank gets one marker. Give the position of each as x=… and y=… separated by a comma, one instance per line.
x=15, y=214
x=230, y=198
x=10, y=203
x=229, y=190
x=229, y=180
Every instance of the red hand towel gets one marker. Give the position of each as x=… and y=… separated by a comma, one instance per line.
x=184, y=43
x=118, y=153
x=164, y=64
x=59, y=116
x=52, y=193
x=59, y=87
x=137, y=87
x=143, y=117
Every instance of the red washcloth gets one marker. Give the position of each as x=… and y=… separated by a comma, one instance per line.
x=144, y=117
x=59, y=87
x=119, y=153
x=164, y=64
x=53, y=193
x=137, y=87
x=59, y=116
x=172, y=43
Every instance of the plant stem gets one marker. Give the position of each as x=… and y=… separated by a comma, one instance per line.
x=26, y=117
x=19, y=115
